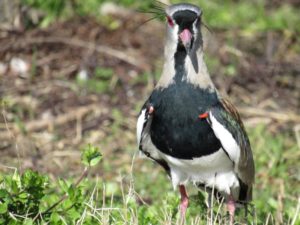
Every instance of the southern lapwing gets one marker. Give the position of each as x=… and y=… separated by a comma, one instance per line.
x=187, y=127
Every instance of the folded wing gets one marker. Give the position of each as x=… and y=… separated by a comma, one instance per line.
x=228, y=128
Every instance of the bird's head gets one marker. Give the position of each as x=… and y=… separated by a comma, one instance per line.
x=183, y=25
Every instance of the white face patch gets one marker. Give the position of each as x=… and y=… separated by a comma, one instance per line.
x=182, y=7
x=195, y=29
x=140, y=125
x=174, y=32
x=202, y=78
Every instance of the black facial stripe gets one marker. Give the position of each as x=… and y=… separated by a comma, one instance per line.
x=198, y=21
x=185, y=19
x=179, y=57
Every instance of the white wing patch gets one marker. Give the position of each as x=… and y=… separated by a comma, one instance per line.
x=228, y=142
x=215, y=170
x=140, y=125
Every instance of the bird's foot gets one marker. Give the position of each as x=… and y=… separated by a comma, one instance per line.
x=231, y=209
x=184, y=203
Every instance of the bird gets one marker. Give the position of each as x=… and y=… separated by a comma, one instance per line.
x=187, y=127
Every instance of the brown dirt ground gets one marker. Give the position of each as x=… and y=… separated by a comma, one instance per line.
x=47, y=117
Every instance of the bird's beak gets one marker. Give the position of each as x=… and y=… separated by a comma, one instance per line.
x=186, y=39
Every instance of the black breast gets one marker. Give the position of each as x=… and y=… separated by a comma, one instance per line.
x=176, y=129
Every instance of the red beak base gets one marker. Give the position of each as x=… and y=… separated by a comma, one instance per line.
x=186, y=37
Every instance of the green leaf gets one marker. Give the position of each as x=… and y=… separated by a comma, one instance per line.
x=28, y=222
x=3, y=193
x=34, y=184
x=67, y=204
x=273, y=203
x=95, y=160
x=74, y=214
x=64, y=185
x=91, y=156
x=3, y=208
x=71, y=192
x=23, y=195
x=54, y=218
x=32, y=179
x=14, y=186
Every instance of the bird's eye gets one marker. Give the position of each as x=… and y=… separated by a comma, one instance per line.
x=170, y=21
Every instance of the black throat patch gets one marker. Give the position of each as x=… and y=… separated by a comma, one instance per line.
x=180, y=70
x=180, y=56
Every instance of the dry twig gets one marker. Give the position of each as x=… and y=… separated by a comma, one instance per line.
x=71, y=115
x=121, y=55
x=278, y=116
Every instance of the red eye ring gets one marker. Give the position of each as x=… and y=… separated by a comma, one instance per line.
x=170, y=21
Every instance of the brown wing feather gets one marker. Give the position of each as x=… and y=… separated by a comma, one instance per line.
x=246, y=168
x=229, y=107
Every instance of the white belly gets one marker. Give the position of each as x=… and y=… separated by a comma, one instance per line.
x=215, y=171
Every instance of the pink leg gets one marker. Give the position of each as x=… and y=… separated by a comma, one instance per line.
x=184, y=202
x=231, y=208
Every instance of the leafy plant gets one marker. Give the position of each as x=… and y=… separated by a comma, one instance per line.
x=28, y=197
x=91, y=155
x=21, y=195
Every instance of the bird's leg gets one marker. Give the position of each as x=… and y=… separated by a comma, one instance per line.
x=231, y=208
x=184, y=202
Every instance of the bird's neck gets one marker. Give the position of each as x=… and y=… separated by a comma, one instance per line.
x=181, y=66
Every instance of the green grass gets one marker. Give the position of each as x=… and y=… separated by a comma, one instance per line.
x=144, y=194
x=101, y=81
x=248, y=16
